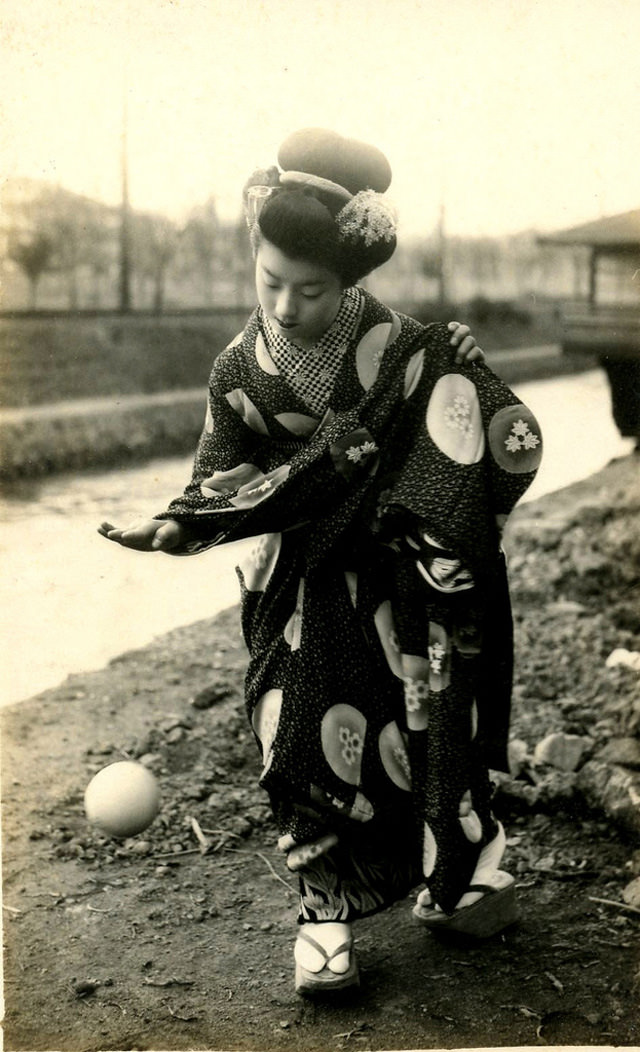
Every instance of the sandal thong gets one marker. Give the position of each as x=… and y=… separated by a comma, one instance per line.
x=308, y=982
x=492, y=913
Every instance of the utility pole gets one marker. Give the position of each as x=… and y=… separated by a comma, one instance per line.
x=442, y=279
x=125, y=212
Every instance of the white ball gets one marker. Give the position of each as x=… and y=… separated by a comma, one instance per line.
x=122, y=799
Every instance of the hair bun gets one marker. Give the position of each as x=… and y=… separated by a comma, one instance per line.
x=354, y=165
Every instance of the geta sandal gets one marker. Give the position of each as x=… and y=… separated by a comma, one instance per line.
x=326, y=980
x=494, y=912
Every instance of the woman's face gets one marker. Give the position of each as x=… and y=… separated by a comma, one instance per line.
x=299, y=298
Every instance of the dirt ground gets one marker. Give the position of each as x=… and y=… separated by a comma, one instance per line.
x=163, y=942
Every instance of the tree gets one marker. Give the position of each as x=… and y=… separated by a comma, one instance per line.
x=33, y=254
x=200, y=248
x=155, y=243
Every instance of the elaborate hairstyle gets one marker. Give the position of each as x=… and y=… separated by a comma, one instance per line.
x=324, y=203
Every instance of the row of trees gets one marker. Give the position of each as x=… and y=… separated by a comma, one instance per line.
x=50, y=233
x=81, y=254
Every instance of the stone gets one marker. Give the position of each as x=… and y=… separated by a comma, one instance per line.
x=518, y=755
x=627, y=658
x=614, y=790
x=210, y=696
x=563, y=751
x=631, y=894
x=623, y=751
x=565, y=608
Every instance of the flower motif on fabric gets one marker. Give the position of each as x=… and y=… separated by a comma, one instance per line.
x=260, y=488
x=416, y=691
x=343, y=734
x=269, y=729
x=352, y=745
x=260, y=553
x=515, y=439
x=521, y=437
x=437, y=654
x=402, y=759
x=458, y=416
x=356, y=453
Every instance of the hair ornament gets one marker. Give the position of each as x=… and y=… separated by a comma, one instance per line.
x=257, y=191
x=256, y=199
x=367, y=217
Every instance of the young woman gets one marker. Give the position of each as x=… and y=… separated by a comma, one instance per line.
x=375, y=466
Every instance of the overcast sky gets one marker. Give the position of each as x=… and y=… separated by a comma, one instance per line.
x=516, y=114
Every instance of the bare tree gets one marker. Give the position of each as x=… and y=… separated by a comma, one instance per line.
x=33, y=254
x=155, y=242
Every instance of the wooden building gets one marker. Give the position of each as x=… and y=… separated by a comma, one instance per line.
x=607, y=320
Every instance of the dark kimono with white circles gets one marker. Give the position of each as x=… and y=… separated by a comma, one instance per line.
x=374, y=598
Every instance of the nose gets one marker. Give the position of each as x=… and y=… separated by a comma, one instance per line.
x=286, y=308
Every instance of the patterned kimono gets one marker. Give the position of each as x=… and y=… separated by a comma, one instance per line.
x=374, y=600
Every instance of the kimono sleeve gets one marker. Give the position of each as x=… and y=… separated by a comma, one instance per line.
x=223, y=462
x=245, y=482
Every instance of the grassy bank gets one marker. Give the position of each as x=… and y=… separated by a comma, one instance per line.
x=51, y=363
x=57, y=358
x=45, y=443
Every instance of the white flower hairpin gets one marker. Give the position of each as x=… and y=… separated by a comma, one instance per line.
x=367, y=217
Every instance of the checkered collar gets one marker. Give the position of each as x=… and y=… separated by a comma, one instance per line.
x=339, y=332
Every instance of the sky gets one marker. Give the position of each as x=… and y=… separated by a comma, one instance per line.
x=513, y=114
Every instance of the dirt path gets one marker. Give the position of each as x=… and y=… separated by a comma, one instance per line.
x=152, y=944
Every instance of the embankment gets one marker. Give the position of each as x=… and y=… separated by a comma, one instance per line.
x=86, y=392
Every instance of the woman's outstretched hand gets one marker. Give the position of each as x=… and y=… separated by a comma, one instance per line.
x=465, y=344
x=151, y=535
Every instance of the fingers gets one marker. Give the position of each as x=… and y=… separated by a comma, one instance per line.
x=139, y=535
x=167, y=536
x=112, y=533
x=465, y=344
x=464, y=350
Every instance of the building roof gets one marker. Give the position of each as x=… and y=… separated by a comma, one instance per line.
x=619, y=233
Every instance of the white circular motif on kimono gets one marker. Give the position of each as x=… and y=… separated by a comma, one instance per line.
x=429, y=851
x=263, y=358
x=351, y=578
x=361, y=809
x=237, y=339
x=413, y=372
x=260, y=488
x=454, y=421
x=474, y=720
x=342, y=734
x=244, y=407
x=298, y=423
x=387, y=633
x=471, y=827
x=515, y=440
x=439, y=657
x=394, y=756
x=370, y=351
x=264, y=721
x=293, y=627
x=230, y=481
x=260, y=562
